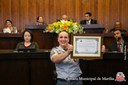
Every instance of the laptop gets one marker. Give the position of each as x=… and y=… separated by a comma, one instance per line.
x=26, y=50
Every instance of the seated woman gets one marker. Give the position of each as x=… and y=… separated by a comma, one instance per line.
x=27, y=41
x=40, y=21
x=9, y=27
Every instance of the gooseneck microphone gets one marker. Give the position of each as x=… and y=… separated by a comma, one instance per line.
x=119, y=38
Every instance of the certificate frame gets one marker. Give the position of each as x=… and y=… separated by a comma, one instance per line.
x=86, y=46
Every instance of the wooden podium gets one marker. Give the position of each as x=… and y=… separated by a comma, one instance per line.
x=93, y=28
x=33, y=26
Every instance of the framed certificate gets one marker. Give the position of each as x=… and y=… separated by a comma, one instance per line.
x=86, y=46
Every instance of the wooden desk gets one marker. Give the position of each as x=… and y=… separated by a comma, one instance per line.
x=93, y=28
x=44, y=40
x=37, y=69
x=34, y=26
x=9, y=41
x=26, y=68
x=104, y=69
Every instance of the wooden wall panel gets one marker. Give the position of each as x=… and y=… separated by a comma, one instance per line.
x=23, y=12
x=103, y=12
x=124, y=13
x=110, y=11
x=5, y=11
x=15, y=12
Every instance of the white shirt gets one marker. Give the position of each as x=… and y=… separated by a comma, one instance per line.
x=88, y=22
x=8, y=30
x=68, y=68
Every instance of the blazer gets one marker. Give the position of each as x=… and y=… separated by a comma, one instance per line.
x=113, y=47
x=92, y=21
x=33, y=45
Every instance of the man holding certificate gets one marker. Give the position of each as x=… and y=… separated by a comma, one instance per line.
x=67, y=69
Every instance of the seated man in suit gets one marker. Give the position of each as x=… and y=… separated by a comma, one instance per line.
x=120, y=45
x=117, y=26
x=64, y=18
x=88, y=19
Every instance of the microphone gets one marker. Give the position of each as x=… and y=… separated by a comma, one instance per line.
x=118, y=39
